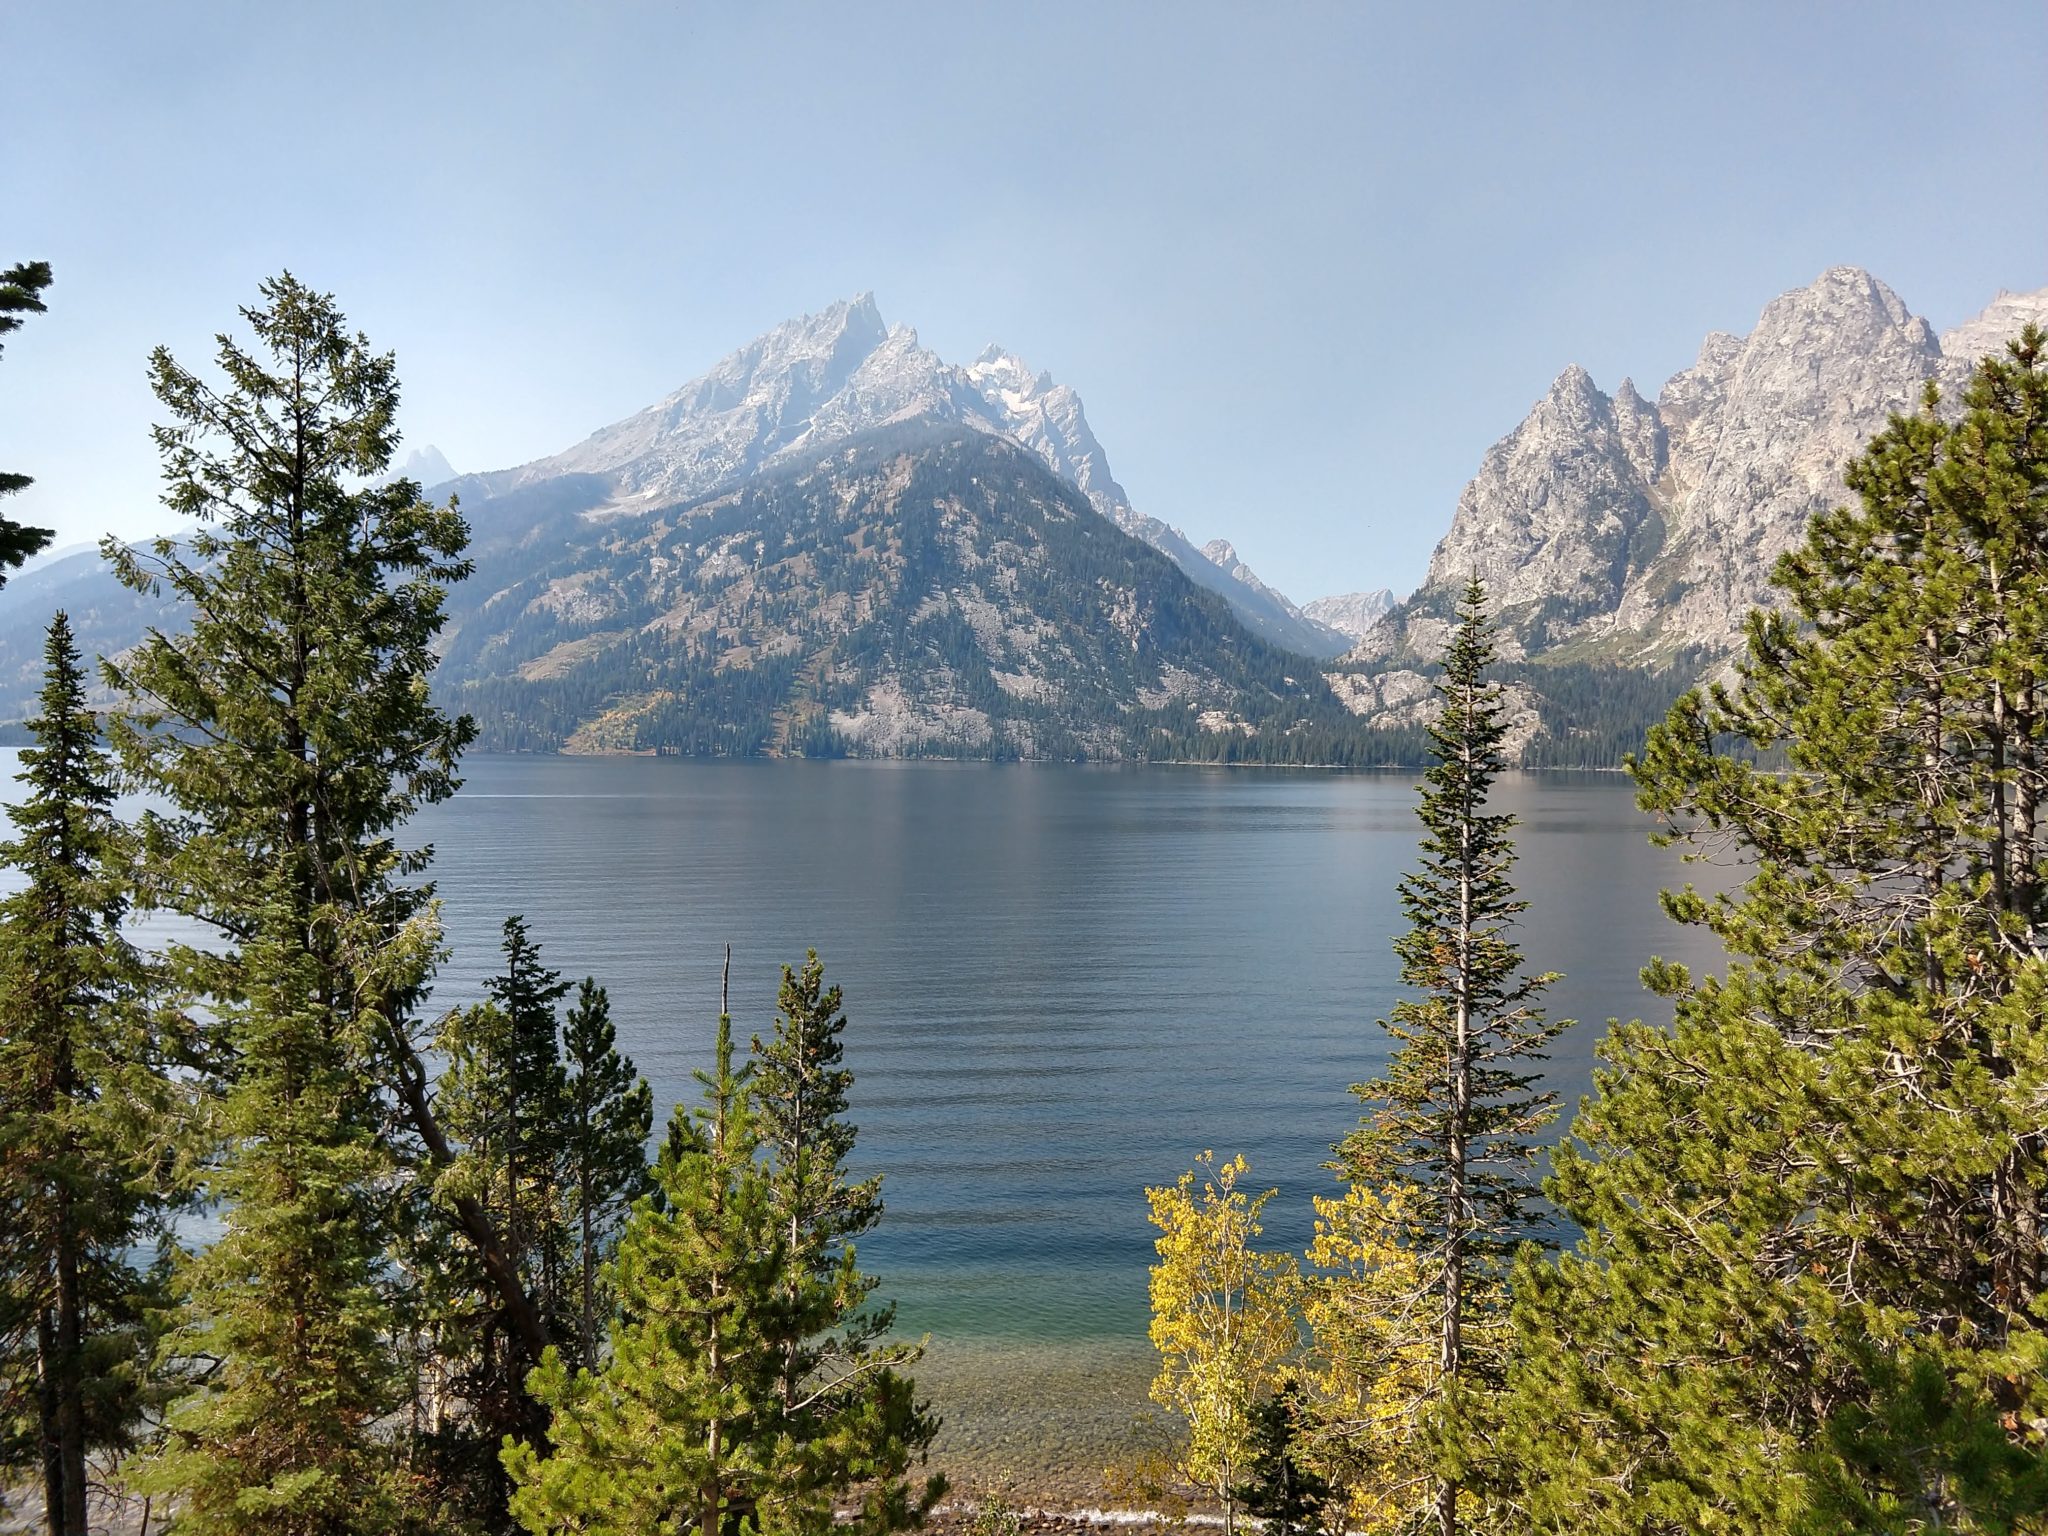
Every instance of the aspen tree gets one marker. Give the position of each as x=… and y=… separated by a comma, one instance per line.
x=1222, y=1318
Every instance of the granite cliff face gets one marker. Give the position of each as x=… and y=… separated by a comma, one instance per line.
x=1609, y=526
x=818, y=379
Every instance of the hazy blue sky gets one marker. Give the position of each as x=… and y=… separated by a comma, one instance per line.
x=1303, y=262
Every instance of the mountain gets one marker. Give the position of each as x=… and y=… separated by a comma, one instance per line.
x=1353, y=613
x=1613, y=528
x=821, y=378
x=106, y=618
x=428, y=465
x=923, y=588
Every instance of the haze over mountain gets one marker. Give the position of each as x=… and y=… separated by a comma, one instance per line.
x=1352, y=613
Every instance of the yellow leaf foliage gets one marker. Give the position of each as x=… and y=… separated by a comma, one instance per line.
x=1222, y=1316
x=1372, y=1312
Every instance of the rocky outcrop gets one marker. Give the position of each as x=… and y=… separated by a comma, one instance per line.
x=922, y=588
x=1615, y=527
x=1351, y=613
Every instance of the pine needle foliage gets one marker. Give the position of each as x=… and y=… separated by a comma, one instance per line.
x=850, y=1418
x=1812, y=1294
x=1449, y=1134
x=21, y=293
x=609, y=1114
x=676, y=1431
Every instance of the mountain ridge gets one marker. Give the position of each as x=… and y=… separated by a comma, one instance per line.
x=1633, y=530
x=818, y=378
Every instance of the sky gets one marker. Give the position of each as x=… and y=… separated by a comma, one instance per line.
x=1303, y=263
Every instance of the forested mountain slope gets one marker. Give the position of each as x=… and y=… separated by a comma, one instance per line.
x=927, y=588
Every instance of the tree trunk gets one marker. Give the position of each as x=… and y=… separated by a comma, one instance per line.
x=46, y=1422
x=70, y=1377
x=475, y=1221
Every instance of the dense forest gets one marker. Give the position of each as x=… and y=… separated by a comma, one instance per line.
x=286, y=1252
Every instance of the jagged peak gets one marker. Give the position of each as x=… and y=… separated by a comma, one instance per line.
x=1574, y=385
x=1837, y=286
x=1221, y=552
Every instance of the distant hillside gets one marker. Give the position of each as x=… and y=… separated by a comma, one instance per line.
x=924, y=589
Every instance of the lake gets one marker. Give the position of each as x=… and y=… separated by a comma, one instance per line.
x=1062, y=983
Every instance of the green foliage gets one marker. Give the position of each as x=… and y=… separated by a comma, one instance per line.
x=85, y=1108
x=1280, y=1488
x=282, y=1325
x=675, y=1431
x=848, y=1415
x=553, y=1154
x=21, y=293
x=287, y=736
x=1452, y=1126
x=1810, y=1293
x=746, y=1386
x=610, y=1111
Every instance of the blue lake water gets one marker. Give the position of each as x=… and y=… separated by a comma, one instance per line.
x=1062, y=984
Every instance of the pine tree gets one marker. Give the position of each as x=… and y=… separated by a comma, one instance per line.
x=610, y=1113
x=532, y=1105
x=848, y=1414
x=291, y=734
x=1281, y=1486
x=1452, y=1127
x=21, y=293
x=676, y=1430
x=276, y=1435
x=84, y=1107
x=1810, y=1294
x=1222, y=1319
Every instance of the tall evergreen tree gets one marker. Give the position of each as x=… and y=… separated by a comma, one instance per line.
x=610, y=1113
x=1810, y=1294
x=848, y=1415
x=290, y=735
x=21, y=293
x=1449, y=1134
x=676, y=1430
x=84, y=1108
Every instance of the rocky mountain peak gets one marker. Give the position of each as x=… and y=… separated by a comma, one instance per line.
x=1642, y=527
x=1991, y=328
x=816, y=379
